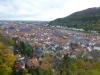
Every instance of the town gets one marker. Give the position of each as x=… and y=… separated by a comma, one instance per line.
x=48, y=40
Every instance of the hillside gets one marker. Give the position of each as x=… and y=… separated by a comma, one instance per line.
x=88, y=19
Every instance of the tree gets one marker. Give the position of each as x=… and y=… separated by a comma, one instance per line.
x=25, y=72
x=6, y=60
x=24, y=48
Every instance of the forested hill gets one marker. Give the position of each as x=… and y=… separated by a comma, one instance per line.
x=88, y=19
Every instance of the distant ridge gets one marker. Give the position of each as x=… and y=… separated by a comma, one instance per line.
x=88, y=19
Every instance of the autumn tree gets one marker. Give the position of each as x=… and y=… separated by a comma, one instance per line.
x=6, y=60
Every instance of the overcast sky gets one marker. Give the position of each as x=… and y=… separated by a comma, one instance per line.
x=42, y=9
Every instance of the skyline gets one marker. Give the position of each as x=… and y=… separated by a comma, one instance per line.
x=43, y=10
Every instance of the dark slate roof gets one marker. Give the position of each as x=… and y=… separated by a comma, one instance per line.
x=57, y=33
x=97, y=45
x=37, y=52
x=25, y=30
x=95, y=53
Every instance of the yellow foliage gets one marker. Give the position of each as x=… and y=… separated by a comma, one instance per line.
x=7, y=59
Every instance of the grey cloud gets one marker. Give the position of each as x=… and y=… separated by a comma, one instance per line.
x=37, y=9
